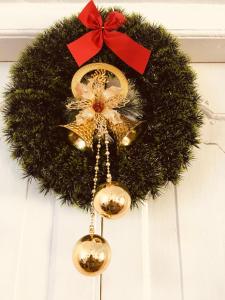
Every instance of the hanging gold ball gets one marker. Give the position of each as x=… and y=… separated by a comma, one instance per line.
x=112, y=200
x=91, y=255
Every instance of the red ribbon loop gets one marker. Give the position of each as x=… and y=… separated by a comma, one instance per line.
x=88, y=45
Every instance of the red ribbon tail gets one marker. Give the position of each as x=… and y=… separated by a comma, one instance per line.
x=132, y=53
x=86, y=46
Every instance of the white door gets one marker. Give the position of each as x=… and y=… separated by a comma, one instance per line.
x=172, y=248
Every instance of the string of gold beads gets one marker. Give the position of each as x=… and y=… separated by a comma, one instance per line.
x=95, y=179
x=107, y=153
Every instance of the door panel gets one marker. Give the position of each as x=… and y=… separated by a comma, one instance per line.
x=172, y=248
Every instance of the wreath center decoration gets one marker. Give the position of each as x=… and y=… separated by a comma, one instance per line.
x=134, y=103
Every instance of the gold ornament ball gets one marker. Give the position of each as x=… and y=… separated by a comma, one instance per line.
x=112, y=200
x=91, y=255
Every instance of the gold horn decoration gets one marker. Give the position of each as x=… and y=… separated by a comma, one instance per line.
x=81, y=136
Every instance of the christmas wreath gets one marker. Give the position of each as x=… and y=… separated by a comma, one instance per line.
x=38, y=97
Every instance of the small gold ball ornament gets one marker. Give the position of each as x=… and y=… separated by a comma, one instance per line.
x=112, y=200
x=91, y=255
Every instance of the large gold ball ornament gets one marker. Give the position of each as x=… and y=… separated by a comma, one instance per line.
x=91, y=255
x=112, y=200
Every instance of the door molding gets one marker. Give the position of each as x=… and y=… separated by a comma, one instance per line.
x=200, y=28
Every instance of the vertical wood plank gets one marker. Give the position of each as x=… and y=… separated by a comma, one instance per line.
x=123, y=277
x=165, y=272
x=145, y=262
x=210, y=78
x=202, y=225
x=12, y=207
x=34, y=252
x=26, y=222
x=201, y=203
x=210, y=82
x=66, y=282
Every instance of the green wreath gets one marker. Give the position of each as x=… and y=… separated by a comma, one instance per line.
x=35, y=106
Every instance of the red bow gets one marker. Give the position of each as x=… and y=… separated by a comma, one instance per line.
x=88, y=45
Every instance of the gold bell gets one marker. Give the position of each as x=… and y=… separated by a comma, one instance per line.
x=127, y=131
x=132, y=134
x=81, y=136
x=76, y=141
